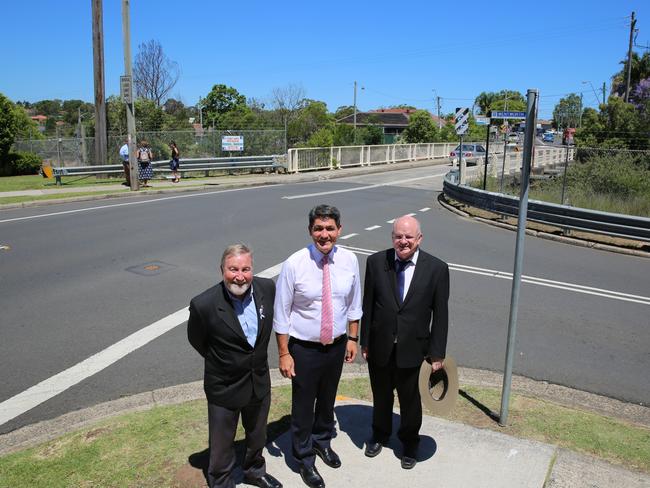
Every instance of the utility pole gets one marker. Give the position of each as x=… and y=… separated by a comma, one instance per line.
x=439, y=120
x=629, y=60
x=98, y=67
x=355, y=108
x=604, y=89
x=82, y=136
x=130, y=113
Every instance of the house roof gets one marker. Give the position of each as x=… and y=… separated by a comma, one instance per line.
x=39, y=118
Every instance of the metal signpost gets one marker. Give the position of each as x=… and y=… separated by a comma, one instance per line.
x=461, y=126
x=480, y=120
x=531, y=117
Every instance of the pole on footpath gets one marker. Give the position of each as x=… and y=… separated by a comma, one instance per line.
x=130, y=112
x=487, y=151
x=628, y=69
x=98, y=69
x=531, y=120
x=566, y=166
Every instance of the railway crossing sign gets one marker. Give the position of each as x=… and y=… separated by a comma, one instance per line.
x=462, y=120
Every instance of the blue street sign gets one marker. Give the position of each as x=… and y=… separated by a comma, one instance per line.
x=507, y=115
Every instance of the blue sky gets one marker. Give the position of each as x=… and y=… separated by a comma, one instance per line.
x=400, y=52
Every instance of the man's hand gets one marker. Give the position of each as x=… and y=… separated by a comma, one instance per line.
x=436, y=364
x=350, y=351
x=364, y=353
x=286, y=366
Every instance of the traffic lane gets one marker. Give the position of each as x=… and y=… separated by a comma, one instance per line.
x=582, y=341
x=84, y=306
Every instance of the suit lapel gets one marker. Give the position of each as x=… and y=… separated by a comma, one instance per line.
x=389, y=267
x=226, y=312
x=258, y=296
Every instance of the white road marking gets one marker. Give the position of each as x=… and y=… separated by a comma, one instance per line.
x=411, y=215
x=361, y=188
x=533, y=280
x=425, y=209
x=348, y=236
x=4, y=248
x=124, y=204
x=373, y=227
x=49, y=388
x=391, y=221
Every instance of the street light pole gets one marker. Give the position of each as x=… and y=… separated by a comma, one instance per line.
x=593, y=90
x=355, y=107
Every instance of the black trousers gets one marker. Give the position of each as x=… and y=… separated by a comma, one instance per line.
x=222, y=424
x=313, y=392
x=383, y=381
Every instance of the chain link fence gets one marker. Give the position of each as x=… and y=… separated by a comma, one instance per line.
x=70, y=152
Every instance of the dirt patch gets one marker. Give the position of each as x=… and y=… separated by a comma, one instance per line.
x=188, y=477
x=91, y=435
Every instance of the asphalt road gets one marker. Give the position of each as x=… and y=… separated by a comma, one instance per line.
x=80, y=277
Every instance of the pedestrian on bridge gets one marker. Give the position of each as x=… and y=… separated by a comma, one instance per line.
x=145, y=157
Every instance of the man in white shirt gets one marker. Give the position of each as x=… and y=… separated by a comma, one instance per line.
x=316, y=319
x=124, y=156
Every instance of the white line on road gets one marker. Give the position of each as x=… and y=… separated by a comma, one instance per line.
x=124, y=204
x=49, y=388
x=348, y=236
x=391, y=221
x=360, y=188
x=425, y=209
x=373, y=227
x=587, y=290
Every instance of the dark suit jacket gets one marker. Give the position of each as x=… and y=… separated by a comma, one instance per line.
x=235, y=373
x=420, y=323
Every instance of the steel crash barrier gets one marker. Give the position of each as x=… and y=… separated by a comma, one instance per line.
x=265, y=164
x=611, y=224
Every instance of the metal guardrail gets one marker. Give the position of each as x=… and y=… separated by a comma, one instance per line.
x=611, y=224
x=265, y=163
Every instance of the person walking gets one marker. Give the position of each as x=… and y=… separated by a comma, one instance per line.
x=175, y=162
x=229, y=326
x=316, y=319
x=145, y=157
x=405, y=321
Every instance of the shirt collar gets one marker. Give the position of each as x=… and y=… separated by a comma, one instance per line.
x=318, y=256
x=413, y=259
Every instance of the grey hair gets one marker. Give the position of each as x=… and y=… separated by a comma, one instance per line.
x=235, y=250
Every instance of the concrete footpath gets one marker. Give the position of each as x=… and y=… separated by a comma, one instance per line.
x=451, y=454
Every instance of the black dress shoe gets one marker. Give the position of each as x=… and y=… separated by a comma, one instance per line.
x=311, y=477
x=373, y=448
x=328, y=456
x=264, y=481
x=408, y=462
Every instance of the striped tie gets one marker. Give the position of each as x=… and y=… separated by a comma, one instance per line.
x=327, y=318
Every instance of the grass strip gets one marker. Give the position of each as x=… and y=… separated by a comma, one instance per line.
x=167, y=446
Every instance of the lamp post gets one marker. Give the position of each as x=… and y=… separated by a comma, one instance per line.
x=594, y=90
x=355, y=106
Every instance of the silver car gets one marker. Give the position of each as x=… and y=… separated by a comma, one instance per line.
x=472, y=153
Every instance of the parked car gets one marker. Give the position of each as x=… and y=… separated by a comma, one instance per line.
x=472, y=153
x=548, y=137
x=513, y=137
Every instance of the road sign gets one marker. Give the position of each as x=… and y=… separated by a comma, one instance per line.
x=480, y=120
x=126, y=89
x=232, y=143
x=462, y=120
x=507, y=115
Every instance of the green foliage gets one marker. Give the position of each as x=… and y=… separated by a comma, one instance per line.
x=221, y=100
x=19, y=163
x=617, y=125
x=312, y=117
x=321, y=138
x=421, y=128
x=567, y=111
x=343, y=112
x=8, y=125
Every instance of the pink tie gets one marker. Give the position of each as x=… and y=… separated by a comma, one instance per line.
x=327, y=318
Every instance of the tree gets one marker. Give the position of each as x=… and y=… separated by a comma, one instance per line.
x=220, y=100
x=343, y=111
x=309, y=119
x=154, y=74
x=484, y=100
x=639, y=71
x=287, y=101
x=421, y=128
x=7, y=126
x=567, y=111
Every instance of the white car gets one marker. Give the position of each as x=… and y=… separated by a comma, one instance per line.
x=472, y=153
x=513, y=137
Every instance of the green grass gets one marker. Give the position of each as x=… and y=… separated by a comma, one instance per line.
x=152, y=448
x=37, y=182
x=56, y=196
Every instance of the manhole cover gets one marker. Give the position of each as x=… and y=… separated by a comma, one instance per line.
x=151, y=268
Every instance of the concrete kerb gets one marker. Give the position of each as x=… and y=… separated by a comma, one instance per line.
x=46, y=430
x=223, y=182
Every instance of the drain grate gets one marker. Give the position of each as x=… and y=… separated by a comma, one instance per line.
x=152, y=268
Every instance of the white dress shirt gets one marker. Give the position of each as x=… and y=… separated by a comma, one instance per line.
x=299, y=290
x=408, y=271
